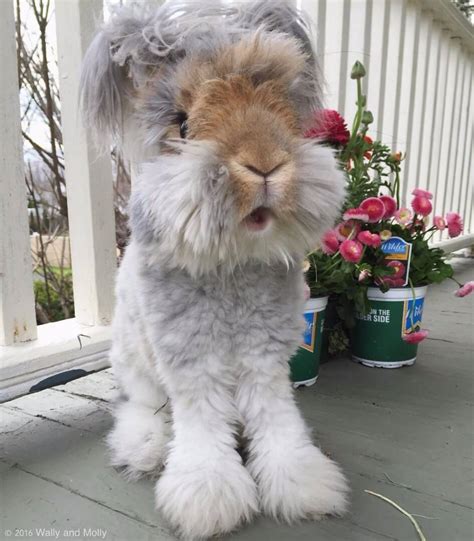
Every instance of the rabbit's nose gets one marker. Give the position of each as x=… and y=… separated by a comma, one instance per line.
x=264, y=174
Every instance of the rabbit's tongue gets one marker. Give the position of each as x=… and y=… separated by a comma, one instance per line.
x=259, y=219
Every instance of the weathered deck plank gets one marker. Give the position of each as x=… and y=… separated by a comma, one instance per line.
x=411, y=427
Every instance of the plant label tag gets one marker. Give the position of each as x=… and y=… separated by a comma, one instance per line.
x=398, y=256
x=309, y=335
x=412, y=314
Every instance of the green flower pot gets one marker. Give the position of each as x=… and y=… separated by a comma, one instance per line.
x=304, y=365
x=377, y=338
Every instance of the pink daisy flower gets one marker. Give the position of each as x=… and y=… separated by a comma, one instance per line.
x=418, y=192
x=329, y=242
x=403, y=216
x=415, y=337
x=374, y=208
x=466, y=289
x=351, y=251
x=390, y=206
x=369, y=239
x=356, y=214
x=439, y=222
x=347, y=230
x=455, y=224
x=421, y=205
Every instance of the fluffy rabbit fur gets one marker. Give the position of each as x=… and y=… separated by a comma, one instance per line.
x=228, y=199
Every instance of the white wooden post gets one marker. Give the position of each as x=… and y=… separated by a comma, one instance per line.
x=88, y=175
x=421, y=97
x=17, y=305
x=438, y=171
x=464, y=126
x=429, y=96
x=356, y=50
x=378, y=64
x=468, y=199
x=333, y=54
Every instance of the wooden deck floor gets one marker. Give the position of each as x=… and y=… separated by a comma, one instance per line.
x=407, y=434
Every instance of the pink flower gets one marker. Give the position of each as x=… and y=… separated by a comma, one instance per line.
x=330, y=242
x=369, y=239
x=390, y=206
x=347, y=230
x=466, y=289
x=364, y=274
x=455, y=225
x=421, y=205
x=418, y=192
x=385, y=234
x=415, y=337
x=399, y=268
x=439, y=222
x=356, y=214
x=403, y=216
x=351, y=251
x=329, y=126
x=374, y=208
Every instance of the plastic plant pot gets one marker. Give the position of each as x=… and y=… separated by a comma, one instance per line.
x=304, y=365
x=377, y=338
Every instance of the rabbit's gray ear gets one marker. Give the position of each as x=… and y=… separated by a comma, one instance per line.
x=280, y=16
x=115, y=63
x=101, y=88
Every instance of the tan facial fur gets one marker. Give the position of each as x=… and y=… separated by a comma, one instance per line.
x=240, y=101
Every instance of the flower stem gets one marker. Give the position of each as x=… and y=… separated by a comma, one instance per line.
x=358, y=115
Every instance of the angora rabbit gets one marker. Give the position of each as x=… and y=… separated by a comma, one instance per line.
x=210, y=294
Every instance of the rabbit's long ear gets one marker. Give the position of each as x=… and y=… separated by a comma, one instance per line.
x=281, y=16
x=116, y=62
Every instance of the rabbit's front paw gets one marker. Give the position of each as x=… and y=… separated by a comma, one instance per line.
x=200, y=501
x=138, y=439
x=301, y=484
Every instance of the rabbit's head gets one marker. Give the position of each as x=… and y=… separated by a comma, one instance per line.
x=217, y=98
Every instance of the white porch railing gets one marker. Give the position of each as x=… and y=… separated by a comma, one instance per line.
x=419, y=59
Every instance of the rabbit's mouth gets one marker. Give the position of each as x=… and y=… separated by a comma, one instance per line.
x=259, y=219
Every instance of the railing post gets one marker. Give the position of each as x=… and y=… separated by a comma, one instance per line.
x=88, y=175
x=17, y=304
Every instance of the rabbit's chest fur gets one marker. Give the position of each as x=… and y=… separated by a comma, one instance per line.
x=218, y=319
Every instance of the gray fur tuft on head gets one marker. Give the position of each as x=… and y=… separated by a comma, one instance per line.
x=142, y=38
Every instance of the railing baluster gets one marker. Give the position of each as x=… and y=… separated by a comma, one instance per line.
x=17, y=305
x=377, y=64
x=356, y=50
x=463, y=129
x=467, y=174
x=403, y=131
x=333, y=54
x=388, y=115
x=444, y=114
x=451, y=183
x=88, y=175
x=423, y=96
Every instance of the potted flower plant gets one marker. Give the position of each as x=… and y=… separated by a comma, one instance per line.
x=304, y=366
x=377, y=262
